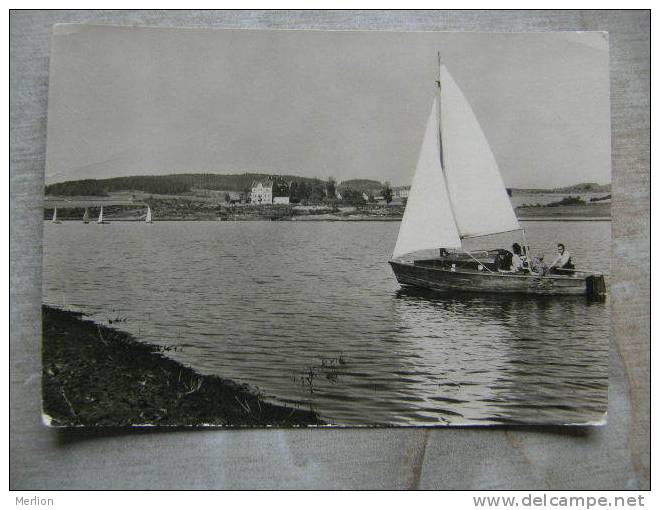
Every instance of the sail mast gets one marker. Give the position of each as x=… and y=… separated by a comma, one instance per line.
x=439, y=92
x=443, y=149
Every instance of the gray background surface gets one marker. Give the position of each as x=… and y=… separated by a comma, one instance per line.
x=235, y=99
x=616, y=456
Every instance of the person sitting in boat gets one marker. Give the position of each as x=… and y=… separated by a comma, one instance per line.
x=563, y=263
x=517, y=261
x=537, y=265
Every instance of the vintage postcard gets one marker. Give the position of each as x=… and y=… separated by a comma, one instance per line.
x=326, y=228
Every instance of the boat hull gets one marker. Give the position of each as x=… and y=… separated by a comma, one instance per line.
x=445, y=280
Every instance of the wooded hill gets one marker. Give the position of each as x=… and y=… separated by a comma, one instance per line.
x=172, y=184
x=361, y=185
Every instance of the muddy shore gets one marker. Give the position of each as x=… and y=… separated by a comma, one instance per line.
x=95, y=375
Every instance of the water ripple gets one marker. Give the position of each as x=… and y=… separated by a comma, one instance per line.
x=312, y=316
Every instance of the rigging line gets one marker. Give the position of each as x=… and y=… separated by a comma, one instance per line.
x=477, y=261
x=472, y=236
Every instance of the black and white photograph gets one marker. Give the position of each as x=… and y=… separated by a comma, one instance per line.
x=308, y=228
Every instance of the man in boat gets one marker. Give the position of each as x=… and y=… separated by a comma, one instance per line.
x=563, y=263
x=517, y=262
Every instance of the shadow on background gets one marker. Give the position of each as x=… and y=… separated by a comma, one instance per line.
x=67, y=436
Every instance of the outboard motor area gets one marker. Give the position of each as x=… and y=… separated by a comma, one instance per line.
x=596, y=286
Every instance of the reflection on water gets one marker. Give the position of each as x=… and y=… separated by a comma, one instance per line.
x=513, y=360
x=311, y=314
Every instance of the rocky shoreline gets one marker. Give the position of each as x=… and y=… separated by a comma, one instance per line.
x=94, y=375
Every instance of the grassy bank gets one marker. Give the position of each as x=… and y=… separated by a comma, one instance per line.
x=591, y=210
x=95, y=375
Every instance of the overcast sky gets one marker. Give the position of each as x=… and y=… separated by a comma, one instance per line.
x=136, y=101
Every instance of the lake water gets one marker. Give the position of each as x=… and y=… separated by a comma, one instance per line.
x=310, y=315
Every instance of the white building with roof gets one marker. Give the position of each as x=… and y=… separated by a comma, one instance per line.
x=269, y=192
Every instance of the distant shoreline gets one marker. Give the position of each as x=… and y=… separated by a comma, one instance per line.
x=185, y=211
x=94, y=375
x=332, y=219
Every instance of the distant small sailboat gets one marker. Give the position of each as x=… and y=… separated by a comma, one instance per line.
x=55, y=220
x=100, y=221
x=86, y=216
x=148, y=219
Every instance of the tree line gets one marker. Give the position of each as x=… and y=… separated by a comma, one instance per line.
x=299, y=189
x=166, y=184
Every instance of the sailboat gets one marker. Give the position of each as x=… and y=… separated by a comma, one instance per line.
x=55, y=220
x=148, y=219
x=101, y=221
x=457, y=193
x=86, y=216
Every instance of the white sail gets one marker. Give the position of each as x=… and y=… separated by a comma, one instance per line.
x=100, y=220
x=479, y=199
x=55, y=215
x=86, y=215
x=428, y=221
x=148, y=217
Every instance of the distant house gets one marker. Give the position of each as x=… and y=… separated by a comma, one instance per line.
x=269, y=191
x=400, y=192
x=262, y=192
